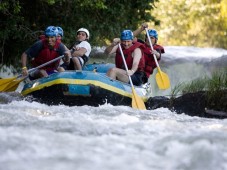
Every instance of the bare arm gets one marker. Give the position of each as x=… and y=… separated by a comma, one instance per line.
x=24, y=63
x=113, y=47
x=79, y=52
x=139, y=30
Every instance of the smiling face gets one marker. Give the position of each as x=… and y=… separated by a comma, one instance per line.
x=81, y=36
x=51, y=40
x=126, y=43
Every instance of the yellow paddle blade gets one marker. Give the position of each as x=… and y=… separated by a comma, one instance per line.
x=9, y=84
x=162, y=80
x=137, y=102
x=13, y=85
x=5, y=82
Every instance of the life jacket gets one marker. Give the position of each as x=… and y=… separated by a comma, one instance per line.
x=47, y=54
x=128, y=57
x=150, y=64
x=84, y=57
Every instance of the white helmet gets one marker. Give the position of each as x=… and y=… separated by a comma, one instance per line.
x=84, y=30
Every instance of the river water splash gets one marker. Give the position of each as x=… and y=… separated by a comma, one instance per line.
x=36, y=136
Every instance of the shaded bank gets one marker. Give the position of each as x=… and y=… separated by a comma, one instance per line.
x=193, y=104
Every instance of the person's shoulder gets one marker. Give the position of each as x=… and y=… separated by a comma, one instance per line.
x=61, y=45
x=85, y=42
x=37, y=44
x=140, y=41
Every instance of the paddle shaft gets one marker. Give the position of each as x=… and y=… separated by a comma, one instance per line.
x=42, y=65
x=11, y=84
x=126, y=67
x=137, y=102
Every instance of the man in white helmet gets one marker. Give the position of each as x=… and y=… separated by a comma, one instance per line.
x=80, y=50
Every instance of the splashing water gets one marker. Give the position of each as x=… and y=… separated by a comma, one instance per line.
x=36, y=136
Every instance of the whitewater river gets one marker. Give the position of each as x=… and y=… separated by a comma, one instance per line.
x=36, y=136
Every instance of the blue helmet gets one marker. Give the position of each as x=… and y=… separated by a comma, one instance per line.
x=153, y=33
x=51, y=31
x=127, y=35
x=60, y=31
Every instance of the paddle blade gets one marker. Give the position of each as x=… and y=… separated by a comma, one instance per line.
x=9, y=84
x=137, y=102
x=5, y=82
x=162, y=80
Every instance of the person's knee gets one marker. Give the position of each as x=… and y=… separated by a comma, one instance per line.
x=61, y=69
x=113, y=69
x=75, y=60
x=77, y=64
x=43, y=73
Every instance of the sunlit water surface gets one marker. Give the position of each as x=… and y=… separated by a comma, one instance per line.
x=36, y=136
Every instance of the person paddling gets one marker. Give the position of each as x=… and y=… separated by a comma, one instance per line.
x=133, y=53
x=43, y=51
x=150, y=64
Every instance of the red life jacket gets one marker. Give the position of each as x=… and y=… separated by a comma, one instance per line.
x=150, y=64
x=46, y=55
x=128, y=57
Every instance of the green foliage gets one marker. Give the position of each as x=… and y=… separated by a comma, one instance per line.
x=193, y=22
x=199, y=84
x=23, y=21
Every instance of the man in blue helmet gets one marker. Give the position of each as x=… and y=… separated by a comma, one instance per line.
x=150, y=64
x=134, y=58
x=59, y=34
x=44, y=51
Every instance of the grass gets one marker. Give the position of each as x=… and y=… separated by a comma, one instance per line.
x=215, y=89
x=217, y=82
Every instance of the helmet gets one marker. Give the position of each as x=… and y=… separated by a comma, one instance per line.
x=51, y=31
x=127, y=35
x=84, y=30
x=153, y=33
x=60, y=31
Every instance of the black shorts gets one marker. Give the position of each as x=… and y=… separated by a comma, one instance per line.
x=138, y=78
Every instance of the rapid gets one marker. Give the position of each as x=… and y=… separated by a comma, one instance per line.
x=36, y=136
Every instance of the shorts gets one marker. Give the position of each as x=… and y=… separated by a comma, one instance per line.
x=138, y=78
x=70, y=66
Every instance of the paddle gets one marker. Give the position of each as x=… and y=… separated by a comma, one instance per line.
x=162, y=78
x=137, y=102
x=11, y=84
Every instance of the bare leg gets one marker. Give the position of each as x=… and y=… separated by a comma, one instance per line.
x=76, y=63
x=61, y=69
x=43, y=73
x=119, y=74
